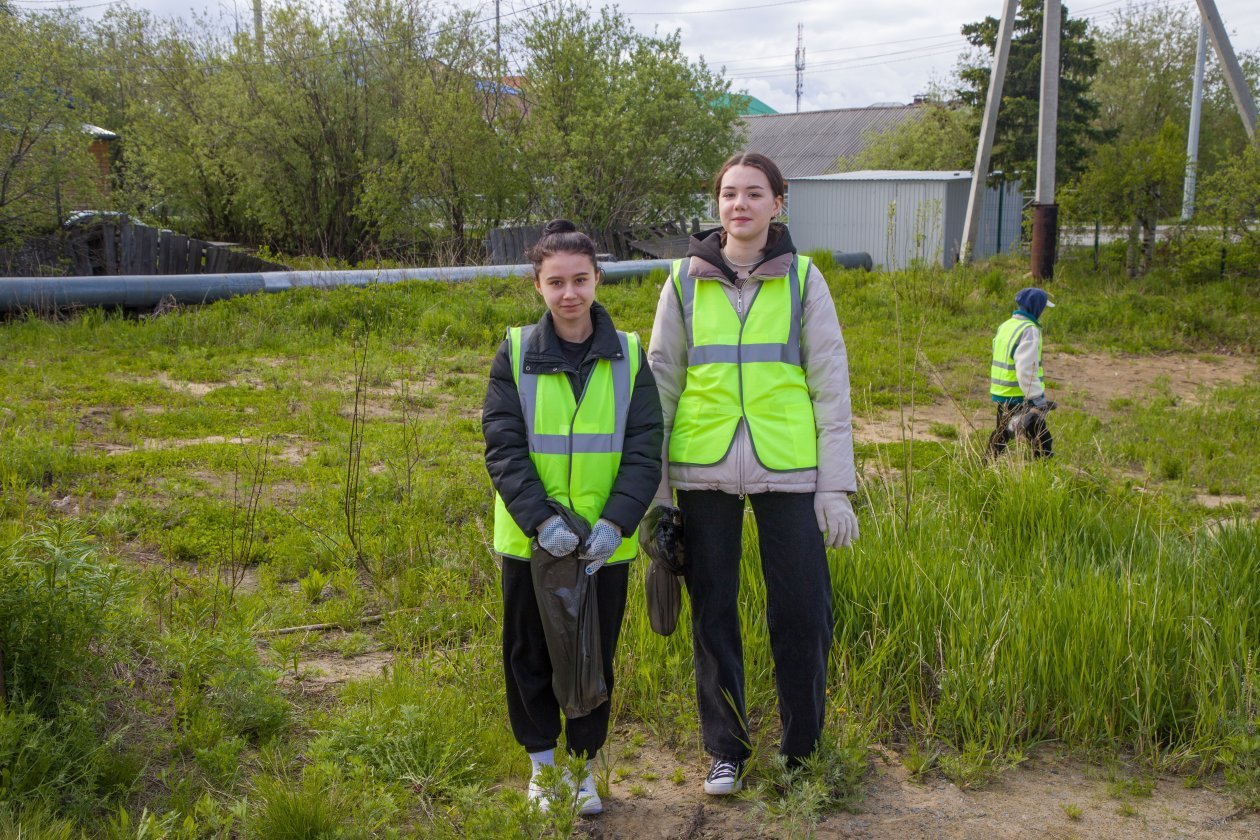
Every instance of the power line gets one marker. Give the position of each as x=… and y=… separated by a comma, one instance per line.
x=780, y=68
x=675, y=13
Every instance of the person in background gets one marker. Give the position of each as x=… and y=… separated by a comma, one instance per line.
x=754, y=384
x=591, y=441
x=1016, y=381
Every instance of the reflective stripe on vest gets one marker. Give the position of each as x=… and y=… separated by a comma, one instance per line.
x=744, y=368
x=575, y=444
x=1003, y=381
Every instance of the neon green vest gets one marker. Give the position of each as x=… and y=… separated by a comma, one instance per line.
x=745, y=368
x=575, y=444
x=1003, y=382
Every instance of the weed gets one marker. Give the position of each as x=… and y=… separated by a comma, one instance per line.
x=919, y=759
x=1073, y=811
x=307, y=809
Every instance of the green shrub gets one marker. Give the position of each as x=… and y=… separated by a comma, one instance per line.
x=60, y=605
x=50, y=762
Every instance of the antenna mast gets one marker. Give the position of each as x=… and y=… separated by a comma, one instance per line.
x=800, y=64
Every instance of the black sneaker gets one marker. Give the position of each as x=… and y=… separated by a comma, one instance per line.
x=725, y=777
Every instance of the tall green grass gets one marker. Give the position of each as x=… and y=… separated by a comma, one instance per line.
x=985, y=609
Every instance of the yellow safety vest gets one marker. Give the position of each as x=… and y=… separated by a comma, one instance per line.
x=745, y=366
x=1003, y=381
x=575, y=444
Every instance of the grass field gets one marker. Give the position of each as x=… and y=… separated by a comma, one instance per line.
x=176, y=488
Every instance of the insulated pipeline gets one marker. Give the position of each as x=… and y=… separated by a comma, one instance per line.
x=40, y=294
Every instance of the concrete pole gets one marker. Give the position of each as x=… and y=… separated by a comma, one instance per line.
x=1229, y=62
x=1192, y=139
x=258, y=25
x=988, y=127
x=1045, y=211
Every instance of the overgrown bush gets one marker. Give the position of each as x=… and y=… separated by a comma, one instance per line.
x=62, y=606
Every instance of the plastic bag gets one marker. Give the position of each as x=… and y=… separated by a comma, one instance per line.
x=661, y=538
x=570, y=618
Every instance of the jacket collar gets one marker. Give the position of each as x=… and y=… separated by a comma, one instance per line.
x=543, y=353
x=705, y=253
x=1019, y=313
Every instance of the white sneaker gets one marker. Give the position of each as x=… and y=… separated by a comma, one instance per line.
x=589, y=803
x=536, y=793
x=725, y=777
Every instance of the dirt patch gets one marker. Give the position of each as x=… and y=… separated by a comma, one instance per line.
x=1088, y=382
x=196, y=389
x=930, y=421
x=320, y=671
x=1209, y=501
x=1101, y=378
x=1047, y=796
x=289, y=448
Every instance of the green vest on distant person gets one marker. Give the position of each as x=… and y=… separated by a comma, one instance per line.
x=575, y=444
x=745, y=368
x=1003, y=381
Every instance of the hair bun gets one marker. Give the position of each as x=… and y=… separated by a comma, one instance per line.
x=558, y=226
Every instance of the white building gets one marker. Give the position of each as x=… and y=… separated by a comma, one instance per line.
x=900, y=217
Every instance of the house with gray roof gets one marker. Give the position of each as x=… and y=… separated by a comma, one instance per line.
x=810, y=143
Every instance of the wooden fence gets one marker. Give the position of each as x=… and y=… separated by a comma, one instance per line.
x=123, y=247
x=506, y=246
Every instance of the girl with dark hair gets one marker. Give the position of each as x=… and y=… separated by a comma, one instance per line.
x=572, y=425
x=754, y=384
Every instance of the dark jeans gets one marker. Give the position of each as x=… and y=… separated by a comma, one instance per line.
x=798, y=612
x=532, y=706
x=1036, y=431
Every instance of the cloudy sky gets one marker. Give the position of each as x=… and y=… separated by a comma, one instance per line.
x=857, y=52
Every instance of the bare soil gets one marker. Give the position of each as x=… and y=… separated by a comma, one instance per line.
x=1087, y=382
x=1046, y=796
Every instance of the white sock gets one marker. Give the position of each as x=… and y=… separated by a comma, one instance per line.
x=545, y=758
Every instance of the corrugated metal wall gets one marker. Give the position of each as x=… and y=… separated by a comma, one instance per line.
x=1007, y=234
x=896, y=221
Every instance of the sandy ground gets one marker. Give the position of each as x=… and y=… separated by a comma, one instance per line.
x=1088, y=382
x=1029, y=801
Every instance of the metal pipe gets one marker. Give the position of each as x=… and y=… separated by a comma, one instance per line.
x=42, y=294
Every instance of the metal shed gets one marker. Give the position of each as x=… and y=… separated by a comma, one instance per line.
x=900, y=217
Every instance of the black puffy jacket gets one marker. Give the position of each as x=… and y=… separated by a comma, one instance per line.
x=507, y=451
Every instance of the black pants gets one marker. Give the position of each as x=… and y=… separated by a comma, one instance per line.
x=532, y=706
x=798, y=612
x=1037, y=432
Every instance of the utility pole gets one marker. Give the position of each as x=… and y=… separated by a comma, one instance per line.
x=988, y=127
x=1045, y=222
x=258, y=27
x=800, y=64
x=498, y=44
x=1229, y=63
x=1192, y=139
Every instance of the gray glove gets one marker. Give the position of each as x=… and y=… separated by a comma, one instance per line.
x=1038, y=401
x=604, y=539
x=836, y=518
x=555, y=538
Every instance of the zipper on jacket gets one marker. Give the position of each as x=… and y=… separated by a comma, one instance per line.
x=739, y=372
x=569, y=440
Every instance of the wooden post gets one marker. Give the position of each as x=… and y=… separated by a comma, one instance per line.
x=109, y=248
x=127, y=255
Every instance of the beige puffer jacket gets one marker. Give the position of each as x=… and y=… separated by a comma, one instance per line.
x=826, y=374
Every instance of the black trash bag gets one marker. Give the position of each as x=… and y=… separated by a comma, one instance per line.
x=570, y=618
x=661, y=538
